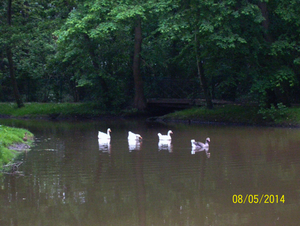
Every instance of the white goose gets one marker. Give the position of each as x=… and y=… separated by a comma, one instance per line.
x=165, y=137
x=200, y=144
x=134, y=136
x=102, y=135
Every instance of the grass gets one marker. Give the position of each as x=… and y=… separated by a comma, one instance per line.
x=292, y=116
x=9, y=136
x=52, y=110
x=235, y=114
x=242, y=114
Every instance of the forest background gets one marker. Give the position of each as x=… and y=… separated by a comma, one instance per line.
x=119, y=53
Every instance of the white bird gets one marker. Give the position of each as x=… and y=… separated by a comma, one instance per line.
x=200, y=144
x=134, y=136
x=102, y=135
x=165, y=137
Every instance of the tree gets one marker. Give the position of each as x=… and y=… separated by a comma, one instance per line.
x=30, y=42
x=102, y=22
x=278, y=58
x=11, y=61
x=109, y=51
x=209, y=31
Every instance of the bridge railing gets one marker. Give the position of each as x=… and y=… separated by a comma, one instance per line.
x=173, y=88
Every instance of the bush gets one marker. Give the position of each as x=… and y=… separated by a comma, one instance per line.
x=274, y=113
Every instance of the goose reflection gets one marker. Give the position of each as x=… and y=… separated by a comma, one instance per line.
x=165, y=145
x=197, y=149
x=134, y=145
x=104, y=145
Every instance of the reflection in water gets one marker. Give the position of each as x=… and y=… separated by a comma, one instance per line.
x=165, y=145
x=134, y=145
x=197, y=149
x=78, y=185
x=104, y=145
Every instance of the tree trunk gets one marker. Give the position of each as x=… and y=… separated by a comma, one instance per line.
x=202, y=77
x=203, y=81
x=11, y=63
x=139, y=99
x=266, y=22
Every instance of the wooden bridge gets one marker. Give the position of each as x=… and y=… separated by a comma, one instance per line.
x=181, y=103
x=176, y=93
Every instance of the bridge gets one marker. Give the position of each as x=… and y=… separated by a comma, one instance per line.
x=181, y=103
x=176, y=93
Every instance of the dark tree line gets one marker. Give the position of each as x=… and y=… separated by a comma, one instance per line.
x=114, y=52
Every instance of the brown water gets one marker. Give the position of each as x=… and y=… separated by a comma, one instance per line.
x=68, y=181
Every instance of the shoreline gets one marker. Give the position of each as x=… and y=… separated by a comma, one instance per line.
x=195, y=121
x=13, y=141
x=156, y=119
x=234, y=114
x=20, y=147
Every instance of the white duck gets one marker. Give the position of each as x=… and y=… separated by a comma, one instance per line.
x=200, y=144
x=102, y=135
x=165, y=137
x=134, y=136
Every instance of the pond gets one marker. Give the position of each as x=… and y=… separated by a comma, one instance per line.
x=249, y=176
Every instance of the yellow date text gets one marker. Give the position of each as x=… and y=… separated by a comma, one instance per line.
x=257, y=199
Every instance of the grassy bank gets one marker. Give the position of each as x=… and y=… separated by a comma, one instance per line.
x=237, y=114
x=240, y=114
x=51, y=110
x=12, y=136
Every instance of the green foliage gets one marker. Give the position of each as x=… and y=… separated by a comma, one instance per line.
x=83, y=50
x=273, y=114
x=284, y=75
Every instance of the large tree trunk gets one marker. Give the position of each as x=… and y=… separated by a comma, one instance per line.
x=266, y=22
x=11, y=64
x=139, y=99
x=205, y=88
x=202, y=77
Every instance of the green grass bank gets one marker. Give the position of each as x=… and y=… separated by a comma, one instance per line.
x=239, y=114
x=11, y=139
x=51, y=110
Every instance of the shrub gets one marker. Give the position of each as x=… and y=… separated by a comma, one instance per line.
x=274, y=113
